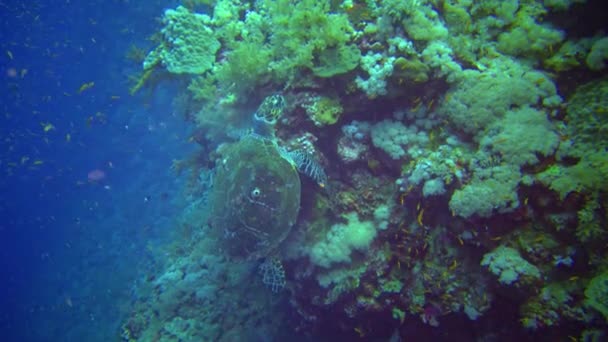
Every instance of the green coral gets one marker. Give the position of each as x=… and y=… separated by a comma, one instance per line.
x=188, y=44
x=337, y=60
x=554, y=303
x=391, y=286
x=596, y=294
x=246, y=64
x=410, y=69
x=270, y=42
x=492, y=190
x=587, y=130
x=569, y=56
x=587, y=113
x=589, y=174
x=255, y=198
x=480, y=98
x=523, y=134
x=528, y=38
x=302, y=31
x=589, y=223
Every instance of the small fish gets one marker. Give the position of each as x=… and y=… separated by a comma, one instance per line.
x=454, y=265
x=86, y=86
x=420, y=216
x=68, y=137
x=9, y=54
x=47, y=126
x=24, y=159
x=38, y=162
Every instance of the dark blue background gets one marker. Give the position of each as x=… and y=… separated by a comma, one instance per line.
x=71, y=250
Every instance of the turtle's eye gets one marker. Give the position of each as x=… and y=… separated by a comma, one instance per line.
x=255, y=193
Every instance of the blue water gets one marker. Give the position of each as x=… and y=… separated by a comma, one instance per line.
x=71, y=250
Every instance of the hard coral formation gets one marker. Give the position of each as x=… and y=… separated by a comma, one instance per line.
x=188, y=44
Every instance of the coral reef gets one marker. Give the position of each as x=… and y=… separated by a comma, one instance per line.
x=456, y=163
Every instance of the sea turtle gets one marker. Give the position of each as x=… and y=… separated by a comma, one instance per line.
x=255, y=198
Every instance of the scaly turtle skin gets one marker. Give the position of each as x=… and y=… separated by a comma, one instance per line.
x=271, y=109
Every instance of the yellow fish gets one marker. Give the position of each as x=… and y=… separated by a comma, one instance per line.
x=420, y=216
x=454, y=265
x=47, y=126
x=85, y=86
x=38, y=162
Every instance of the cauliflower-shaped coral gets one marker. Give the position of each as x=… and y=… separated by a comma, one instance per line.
x=522, y=135
x=508, y=265
x=492, y=189
x=397, y=140
x=379, y=69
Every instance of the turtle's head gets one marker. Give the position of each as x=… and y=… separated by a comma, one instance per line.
x=271, y=109
x=268, y=114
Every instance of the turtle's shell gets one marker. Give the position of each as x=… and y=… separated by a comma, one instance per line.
x=255, y=198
